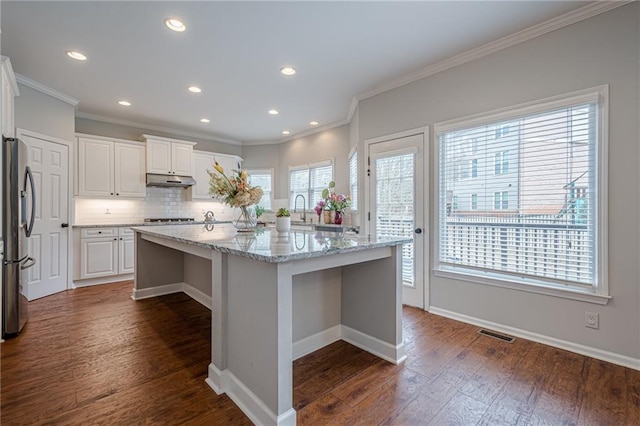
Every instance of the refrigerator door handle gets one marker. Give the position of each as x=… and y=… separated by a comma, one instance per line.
x=13, y=262
x=28, y=176
x=28, y=263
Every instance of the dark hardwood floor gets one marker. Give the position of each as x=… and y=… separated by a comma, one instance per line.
x=94, y=356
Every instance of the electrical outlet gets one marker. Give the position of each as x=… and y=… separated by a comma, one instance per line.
x=591, y=320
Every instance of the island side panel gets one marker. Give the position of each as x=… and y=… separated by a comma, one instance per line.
x=372, y=300
x=259, y=331
x=156, y=265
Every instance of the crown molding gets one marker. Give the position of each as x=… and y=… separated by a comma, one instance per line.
x=146, y=126
x=26, y=81
x=5, y=62
x=542, y=28
x=352, y=108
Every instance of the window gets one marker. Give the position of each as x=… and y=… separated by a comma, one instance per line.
x=501, y=200
x=548, y=233
x=309, y=180
x=502, y=130
x=474, y=168
x=353, y=179
x=263, y=179
x=501, y=162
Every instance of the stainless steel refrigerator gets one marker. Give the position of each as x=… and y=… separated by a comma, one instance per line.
x=18, y=216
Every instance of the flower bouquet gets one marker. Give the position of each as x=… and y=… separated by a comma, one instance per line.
x=235, y=191
x=332, y=204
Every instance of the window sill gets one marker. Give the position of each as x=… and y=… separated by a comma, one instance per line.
x=530, y=287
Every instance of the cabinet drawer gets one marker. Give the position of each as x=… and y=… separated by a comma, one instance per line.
x=125, y=232
x=98, y=232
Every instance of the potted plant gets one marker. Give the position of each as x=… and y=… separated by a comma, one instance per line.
x=259, y=211
x=283, y=220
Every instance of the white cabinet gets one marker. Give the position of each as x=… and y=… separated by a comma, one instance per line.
x=169, y=156
x=204, y=161
x=8, y=90
x=107, y=168
x=106, y=252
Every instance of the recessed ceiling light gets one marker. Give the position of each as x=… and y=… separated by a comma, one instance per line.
x=124, y=103
x=273, y=112
x=288, y=70
x=205, y=120
x=286, y=132
x=175, y=25
x=73, y=54
x=195, y=89
x=314, y=123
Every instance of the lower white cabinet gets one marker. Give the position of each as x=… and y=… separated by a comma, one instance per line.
x=105, y=252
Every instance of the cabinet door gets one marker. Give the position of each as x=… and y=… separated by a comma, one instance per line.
x=130, y=179
x=95, y=168
x=203, y=162
x=159, y=157
x=98, y=257
x=182, y=159
x=125, y=255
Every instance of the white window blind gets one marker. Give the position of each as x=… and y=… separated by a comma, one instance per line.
x=533, y=209
x=263, y=179
x=353, y=179
x=309, y=180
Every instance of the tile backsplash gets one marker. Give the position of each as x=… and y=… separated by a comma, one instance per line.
x=160, y=202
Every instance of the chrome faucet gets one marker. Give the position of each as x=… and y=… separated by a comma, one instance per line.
x=303, y=216
x=209, y=216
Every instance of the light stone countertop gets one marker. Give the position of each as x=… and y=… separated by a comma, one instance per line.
x=266, y=244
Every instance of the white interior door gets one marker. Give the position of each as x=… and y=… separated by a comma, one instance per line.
x=397, y=205
x=48, y=244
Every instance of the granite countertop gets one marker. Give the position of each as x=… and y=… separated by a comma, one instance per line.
x=128, y=225
x=266, y=244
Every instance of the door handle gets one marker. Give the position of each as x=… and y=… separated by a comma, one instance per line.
x=65, y=225
x=418, y=231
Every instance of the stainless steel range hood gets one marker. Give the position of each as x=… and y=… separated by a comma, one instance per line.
x=169, y=181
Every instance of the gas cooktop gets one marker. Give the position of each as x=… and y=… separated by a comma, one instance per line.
x=169, y=219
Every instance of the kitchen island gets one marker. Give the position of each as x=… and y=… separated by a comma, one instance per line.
x=275, y=297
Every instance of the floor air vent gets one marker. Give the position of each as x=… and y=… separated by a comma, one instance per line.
x=498, y=336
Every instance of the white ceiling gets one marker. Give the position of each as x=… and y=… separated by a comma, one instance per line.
x=234, y=51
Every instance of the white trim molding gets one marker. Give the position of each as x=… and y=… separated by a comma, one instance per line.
x=26, y=81
x=316, y=341
x=394, y=354
x=589, y=351
x=5, y=63
x=163, y=290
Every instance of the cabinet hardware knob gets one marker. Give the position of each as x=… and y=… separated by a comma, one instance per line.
x=112, y=193
x=99, y=232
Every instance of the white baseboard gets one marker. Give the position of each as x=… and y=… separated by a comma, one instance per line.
x=589, y=351
x=226, y=382
x=314, y=342
x=395, y=354
x=197, y=295
x=102, y=280
x=146, y=293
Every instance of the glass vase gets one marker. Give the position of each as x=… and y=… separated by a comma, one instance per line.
x=248, y=220
x=338, y=218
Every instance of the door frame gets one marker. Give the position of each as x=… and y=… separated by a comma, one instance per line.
x=425, y=132
x=20, y=133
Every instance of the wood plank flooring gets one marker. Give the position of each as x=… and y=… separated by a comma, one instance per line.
x=94, y=356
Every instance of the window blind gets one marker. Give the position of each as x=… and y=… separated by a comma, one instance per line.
x=309, y=181
x=353, y=180
x=529, y=207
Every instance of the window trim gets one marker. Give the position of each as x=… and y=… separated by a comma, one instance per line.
x=264, y=172
x=599, y=292
x=354, y=151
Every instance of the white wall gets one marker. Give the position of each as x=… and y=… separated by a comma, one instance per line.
x=99, y=128
x=44, y=114
x=601, y=50
x=330, y=144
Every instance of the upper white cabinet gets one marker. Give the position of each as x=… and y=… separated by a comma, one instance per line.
x=8, y=90
x=109, y=168
x=204, y=161
x=169, y=156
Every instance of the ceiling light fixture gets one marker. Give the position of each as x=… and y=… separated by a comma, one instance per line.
x=314, y=123
x=205, y=120
x=175, y=25
x=286, y=132
x=273, y=112
x=124, y=103
x=287, y=70
x=195, y=89
x=74, y=54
